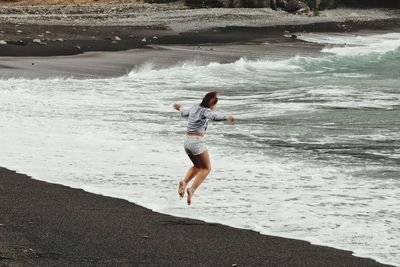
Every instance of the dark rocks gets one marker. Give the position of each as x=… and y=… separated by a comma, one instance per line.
x=203, y=3
x=256, y=3
x=288, y=5
x=18, y=42
x=281, y=3
x=295, y=5
x=322, y=4
x=273, y=4
x=159, y=1
x=228, y=3
x=328, y=4
x=373, y=3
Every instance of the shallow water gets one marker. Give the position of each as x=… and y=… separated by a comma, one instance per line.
x=314, y=154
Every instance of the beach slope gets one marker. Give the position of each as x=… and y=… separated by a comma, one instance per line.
x=44, y=224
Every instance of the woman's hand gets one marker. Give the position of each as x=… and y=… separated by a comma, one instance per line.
x=177, y=106
x=230, y=118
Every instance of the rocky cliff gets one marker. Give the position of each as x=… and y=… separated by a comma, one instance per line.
x=288, y=5
x=292, y=5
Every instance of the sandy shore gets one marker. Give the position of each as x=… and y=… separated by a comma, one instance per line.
x=80, y=57
x=44, y=224
x=119, y=63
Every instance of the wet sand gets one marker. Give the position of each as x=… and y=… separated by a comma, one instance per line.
x=115, y=64
x=43, y=224
x=214, y=45
x=81, y=57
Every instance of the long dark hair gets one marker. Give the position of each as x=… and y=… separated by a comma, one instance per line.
x=209, y=99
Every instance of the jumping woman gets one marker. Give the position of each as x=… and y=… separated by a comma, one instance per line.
x=194, y=144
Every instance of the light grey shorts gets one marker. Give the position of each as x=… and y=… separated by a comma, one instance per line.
x=194, y=145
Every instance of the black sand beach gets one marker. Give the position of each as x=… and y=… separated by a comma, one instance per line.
x=43, y=224
x=82, y=57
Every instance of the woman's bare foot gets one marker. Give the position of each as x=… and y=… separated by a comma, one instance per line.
x=189, y=192
x=181, y=189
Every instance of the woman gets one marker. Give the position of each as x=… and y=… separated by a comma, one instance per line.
x=194, y=144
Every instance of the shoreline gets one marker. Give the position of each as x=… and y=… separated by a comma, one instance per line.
x=102, y=58
x=47, y=224
x=63, y=40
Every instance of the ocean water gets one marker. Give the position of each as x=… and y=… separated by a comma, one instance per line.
x=314, y=153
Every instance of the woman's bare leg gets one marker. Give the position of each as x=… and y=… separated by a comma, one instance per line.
x=192, y=172
x=205, y=167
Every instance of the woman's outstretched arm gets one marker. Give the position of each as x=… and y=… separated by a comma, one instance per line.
x=184, y=111
x=209, y=114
